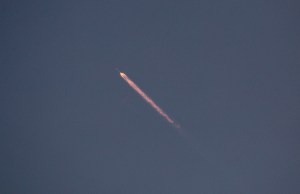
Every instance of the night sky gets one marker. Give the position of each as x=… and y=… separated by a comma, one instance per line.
x=228, y=71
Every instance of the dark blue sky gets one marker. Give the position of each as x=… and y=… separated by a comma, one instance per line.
x=228, y=71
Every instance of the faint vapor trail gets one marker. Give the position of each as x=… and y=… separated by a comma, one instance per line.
x=149, y=100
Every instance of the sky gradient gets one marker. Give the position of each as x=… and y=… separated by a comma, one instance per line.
x=227, y=71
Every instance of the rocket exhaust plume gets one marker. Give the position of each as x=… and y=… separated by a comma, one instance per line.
x=149, y=100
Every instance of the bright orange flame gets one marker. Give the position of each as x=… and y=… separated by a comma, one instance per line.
x=148, y=100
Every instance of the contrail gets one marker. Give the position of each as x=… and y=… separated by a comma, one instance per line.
x=149, y=100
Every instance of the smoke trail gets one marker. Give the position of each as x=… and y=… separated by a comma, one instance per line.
x=149, y=100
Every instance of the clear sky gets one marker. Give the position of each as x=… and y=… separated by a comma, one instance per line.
x=227, y=71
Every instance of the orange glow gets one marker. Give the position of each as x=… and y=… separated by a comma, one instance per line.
x=148, y=100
